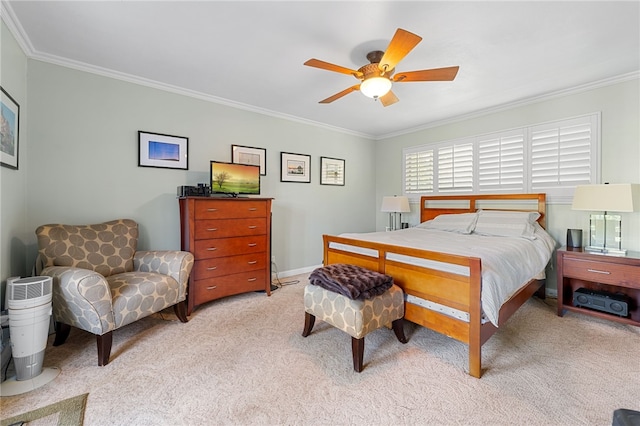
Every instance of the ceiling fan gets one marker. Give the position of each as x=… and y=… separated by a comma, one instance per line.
x=377, y=77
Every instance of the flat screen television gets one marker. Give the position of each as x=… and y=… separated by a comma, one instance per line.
x=234, y=179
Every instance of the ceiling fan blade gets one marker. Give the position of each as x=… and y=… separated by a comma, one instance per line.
x=331, y=67
x=436, y=74
x=389, y=99
x=401, y=44
x=340, y=94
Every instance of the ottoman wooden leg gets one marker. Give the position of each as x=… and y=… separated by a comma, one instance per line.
x=309, y=320
x=398, y=329
x=357, y=348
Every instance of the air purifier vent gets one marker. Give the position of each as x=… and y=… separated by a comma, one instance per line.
x=22, y=290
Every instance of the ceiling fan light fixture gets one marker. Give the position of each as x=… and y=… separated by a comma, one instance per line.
x=375, y=87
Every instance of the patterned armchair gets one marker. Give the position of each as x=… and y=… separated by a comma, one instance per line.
x=102, y=283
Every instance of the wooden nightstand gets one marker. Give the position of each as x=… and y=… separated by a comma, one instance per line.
x=616, y=276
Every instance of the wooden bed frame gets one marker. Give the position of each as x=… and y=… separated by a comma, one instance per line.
x=450, y=289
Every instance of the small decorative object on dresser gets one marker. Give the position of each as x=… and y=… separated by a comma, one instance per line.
x=599, y=285
x=231, y=242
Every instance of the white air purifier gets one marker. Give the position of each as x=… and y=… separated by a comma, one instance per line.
x=29, y=303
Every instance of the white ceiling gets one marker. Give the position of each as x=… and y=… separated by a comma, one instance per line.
x=251, y=54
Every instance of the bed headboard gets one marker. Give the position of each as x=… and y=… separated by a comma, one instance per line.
x=432, y=206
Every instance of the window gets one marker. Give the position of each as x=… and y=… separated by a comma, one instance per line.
x=552, y=158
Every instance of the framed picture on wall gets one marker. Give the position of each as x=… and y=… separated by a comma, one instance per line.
x=295, y=167
x=251, y=156
x=9, y=130
x=163, y=151
x=331, y=171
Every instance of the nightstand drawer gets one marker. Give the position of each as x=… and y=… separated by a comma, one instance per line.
x=602, y=272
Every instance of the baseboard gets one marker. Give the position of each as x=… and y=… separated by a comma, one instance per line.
x=551, y=293
x=292, y=272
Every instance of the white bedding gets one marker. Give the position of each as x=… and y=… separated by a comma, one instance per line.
x=508, y=263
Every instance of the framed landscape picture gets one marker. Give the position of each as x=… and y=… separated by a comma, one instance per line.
x=251, y=156
x=9, y=130
x=331, y=171
x=164, y=151
x=295, y=167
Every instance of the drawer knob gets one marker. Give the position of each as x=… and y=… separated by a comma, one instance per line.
x=212, y=268
x=253, y=209
x=212, y=210
x=252, y=262
x=595, y=271
x=251, y=279
x=212, y=248
x=252, y=227
x=252, y=244
x=211, y=287
x=212, y=229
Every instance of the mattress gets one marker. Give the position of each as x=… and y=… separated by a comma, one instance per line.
x=508, y=263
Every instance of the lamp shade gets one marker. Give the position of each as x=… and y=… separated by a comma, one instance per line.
x=622, y=197
x=374, y=87
x=395, y=204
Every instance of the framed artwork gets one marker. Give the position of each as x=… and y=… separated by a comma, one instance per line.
x=251, y=156
x=295, y=167
x=164, y=151
x=331, y=171
x=9, y=130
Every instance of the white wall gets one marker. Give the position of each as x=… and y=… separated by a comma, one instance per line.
x=620, y=132
x=13, y=228
x=83, y=161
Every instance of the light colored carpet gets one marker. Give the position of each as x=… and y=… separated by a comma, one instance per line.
x=68, y=412
x=242, y=360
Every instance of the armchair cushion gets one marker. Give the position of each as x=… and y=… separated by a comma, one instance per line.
x=106, y=248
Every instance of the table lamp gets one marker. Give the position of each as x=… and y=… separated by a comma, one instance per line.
x=393, y=205
x=605, y=230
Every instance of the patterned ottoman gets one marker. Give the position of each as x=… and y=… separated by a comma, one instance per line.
x=355, y=317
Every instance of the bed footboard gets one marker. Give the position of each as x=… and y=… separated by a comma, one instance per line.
x=459, y=289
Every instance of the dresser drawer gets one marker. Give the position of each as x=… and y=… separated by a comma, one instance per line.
x=218, y=266
x=204, y=209
x=222, y=247
x=215, y=288
x=223, y=228
x=602, y=272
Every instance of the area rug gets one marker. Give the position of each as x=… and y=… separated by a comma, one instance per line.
x=69, y=412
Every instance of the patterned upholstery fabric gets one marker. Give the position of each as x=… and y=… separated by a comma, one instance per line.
x=106, y=248
x=355, y=317
x=100, y=282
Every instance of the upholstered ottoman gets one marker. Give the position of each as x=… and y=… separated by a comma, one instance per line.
x=355, y=317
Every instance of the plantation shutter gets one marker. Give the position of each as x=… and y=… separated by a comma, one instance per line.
x=563, y=154
x=418, y=172
x=501, y=162
x=455, y=168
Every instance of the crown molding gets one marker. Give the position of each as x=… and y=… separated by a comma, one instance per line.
x=635, y=75
x=7, y=15
x=14, y=26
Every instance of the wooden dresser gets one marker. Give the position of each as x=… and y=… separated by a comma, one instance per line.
x=231, y=242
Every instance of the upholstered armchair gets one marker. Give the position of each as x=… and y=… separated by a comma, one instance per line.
x=101, y=283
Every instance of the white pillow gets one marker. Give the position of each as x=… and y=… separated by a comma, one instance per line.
x=461, y=222
x=506, y=223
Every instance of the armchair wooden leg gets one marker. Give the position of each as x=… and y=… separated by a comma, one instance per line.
x=357, y=349
x=309, y=321
x=180, y=310
x=398, y=329
x=62, y=332
x=104, y=348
